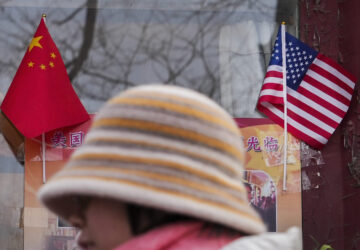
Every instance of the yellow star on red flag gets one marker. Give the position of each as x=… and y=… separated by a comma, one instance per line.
x=35, y=43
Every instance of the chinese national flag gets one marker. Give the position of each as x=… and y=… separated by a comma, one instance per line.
x=40, y=97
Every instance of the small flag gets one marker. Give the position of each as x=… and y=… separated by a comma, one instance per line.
x=319, y=92
x=40, y=97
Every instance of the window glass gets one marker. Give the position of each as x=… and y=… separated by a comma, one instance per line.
x=218, y=47
x=11, y=199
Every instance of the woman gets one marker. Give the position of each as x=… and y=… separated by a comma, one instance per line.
x=160, y=168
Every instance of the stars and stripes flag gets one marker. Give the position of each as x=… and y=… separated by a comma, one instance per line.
x=318, y=95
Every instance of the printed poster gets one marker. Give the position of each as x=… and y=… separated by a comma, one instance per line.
x=42, y=229
x=264, y=175
x=263, y=142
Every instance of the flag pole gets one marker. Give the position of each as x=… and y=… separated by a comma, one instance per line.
x=283, y=50
x=43, y=156
x=43, y=142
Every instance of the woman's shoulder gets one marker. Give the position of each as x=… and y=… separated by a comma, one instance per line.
x=290, y=240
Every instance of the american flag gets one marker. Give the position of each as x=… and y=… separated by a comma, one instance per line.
x=319, y=91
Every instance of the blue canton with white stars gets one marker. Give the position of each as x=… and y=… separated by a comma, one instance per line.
x=299, y=57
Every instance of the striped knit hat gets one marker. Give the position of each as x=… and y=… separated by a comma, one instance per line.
x=164, y=147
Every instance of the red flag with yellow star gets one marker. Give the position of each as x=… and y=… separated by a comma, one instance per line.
x=41, y=97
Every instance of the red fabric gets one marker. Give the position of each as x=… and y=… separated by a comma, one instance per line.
x=179, y=236
x=41, y=97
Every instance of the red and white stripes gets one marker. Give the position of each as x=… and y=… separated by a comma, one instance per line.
x=317, y=107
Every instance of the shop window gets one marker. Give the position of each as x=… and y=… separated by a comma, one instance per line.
x=218, y=47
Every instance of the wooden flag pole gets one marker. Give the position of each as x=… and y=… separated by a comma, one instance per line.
x=283, y=50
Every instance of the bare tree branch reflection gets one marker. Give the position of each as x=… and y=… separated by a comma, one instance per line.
x=88, y=37
x=106, y=50
x=72, y=15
